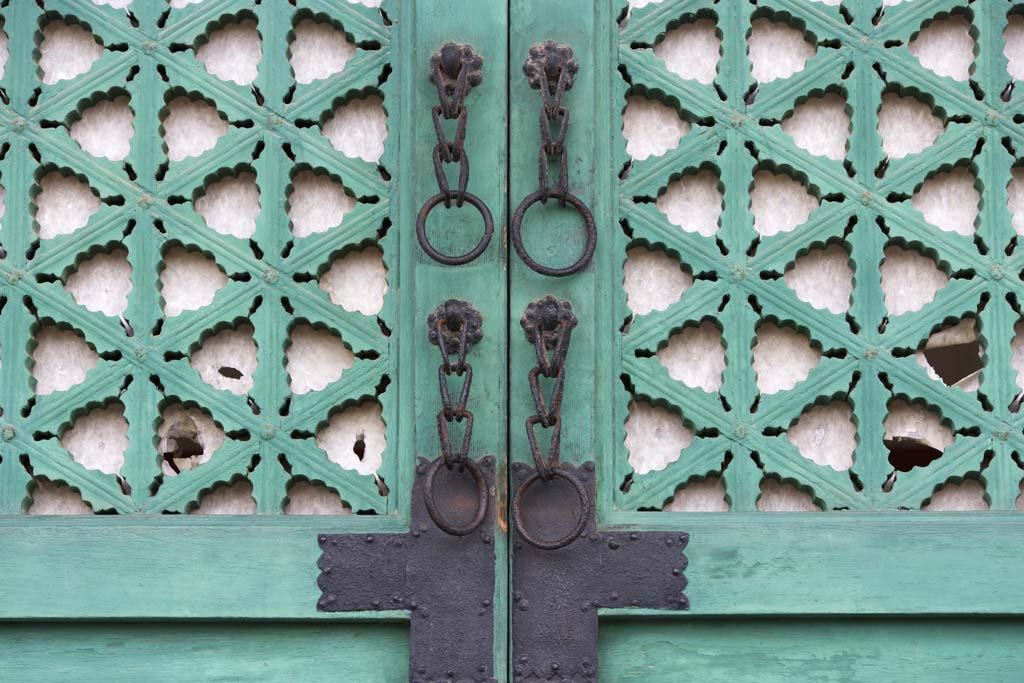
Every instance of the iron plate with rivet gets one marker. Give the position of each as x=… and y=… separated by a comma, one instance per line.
x=556, y=594
x=445, y=582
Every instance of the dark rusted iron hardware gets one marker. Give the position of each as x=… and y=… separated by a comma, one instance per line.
x=551, y=68
x=455, y=326
x=455, y=70
x=446, y=583
x=556, y=595
x=548, y=324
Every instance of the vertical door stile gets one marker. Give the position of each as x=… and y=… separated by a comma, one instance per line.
x=423, y=27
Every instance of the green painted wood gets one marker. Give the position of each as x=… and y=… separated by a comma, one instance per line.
x=424, y=26
x=146, y=209
x=151, y=566
x=555, y=235
x=846, y=650
x=869, y=355
x=172, y=652
x=740, y=564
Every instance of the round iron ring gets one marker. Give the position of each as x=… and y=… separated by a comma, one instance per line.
x=517, y=239
x=435, y=514
x=421, y=228
x=574, y=533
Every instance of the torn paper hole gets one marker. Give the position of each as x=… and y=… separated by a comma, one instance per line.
x=233, y=349
x=354, y=438
x=188, y=438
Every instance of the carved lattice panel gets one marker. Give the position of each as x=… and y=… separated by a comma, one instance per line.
x=147, y=207
x=868, y=351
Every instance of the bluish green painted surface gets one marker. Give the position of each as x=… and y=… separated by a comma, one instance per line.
x=831, y=650
x=124, y=652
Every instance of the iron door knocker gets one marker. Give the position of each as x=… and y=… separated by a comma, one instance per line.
x=455, y=326
x=455, y=70
x=551, y=64
x=548, y=324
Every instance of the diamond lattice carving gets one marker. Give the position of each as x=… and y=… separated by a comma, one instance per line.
x=862, y=56
x=149, y=56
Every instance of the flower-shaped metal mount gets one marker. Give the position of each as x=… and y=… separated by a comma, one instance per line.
x=546, y=314
x=450, y=58
x=546, y=60
x=455, y=313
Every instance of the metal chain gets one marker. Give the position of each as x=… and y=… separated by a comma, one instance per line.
x=454, y=70
x=454, y=327
x=553, y=148
x=551, y=69
x=548, y=324
x=447, y=151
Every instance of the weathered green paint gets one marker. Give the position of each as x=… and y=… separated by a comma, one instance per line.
x=159, y=567
x=88, y=574
x=272, y=286
x=834, y=650
x=226, y=651
x=868, y=360
x=424, y=26
x=555, y=235
x=740, y=564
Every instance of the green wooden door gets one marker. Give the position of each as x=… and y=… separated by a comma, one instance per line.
x=261, y=360
x=781, y=164
x=761, y=327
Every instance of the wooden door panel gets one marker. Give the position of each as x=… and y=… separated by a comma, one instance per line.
x=223, y=651
x=924, y=650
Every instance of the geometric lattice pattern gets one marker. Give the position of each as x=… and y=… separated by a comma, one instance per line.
x=147, y=209
x=867, y=355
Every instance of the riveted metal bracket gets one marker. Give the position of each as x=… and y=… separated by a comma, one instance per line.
x=445, y=582
x=556, y=594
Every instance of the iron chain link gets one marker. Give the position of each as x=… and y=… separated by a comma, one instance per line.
x=548, y=324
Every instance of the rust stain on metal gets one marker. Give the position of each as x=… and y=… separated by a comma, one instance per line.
x=501, y=496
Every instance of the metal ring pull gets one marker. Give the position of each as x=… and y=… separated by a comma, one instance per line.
x=551, y=69
x=581, y=521
x=454, y=327
x=481, y=498
x=446, y=197
x=548, y=325
x=517, y=239
x=454, y=69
